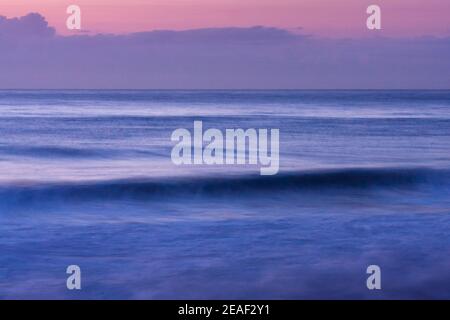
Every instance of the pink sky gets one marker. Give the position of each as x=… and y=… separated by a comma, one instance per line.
x=334, y=18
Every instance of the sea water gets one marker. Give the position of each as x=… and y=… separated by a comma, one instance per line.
x=86, y=179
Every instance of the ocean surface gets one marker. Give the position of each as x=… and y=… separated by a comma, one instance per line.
x=86, y=179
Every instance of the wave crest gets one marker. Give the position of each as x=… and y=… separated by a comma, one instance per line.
x=142, y=189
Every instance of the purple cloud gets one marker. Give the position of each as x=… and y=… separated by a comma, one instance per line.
x=31, y=25
x=258, y=57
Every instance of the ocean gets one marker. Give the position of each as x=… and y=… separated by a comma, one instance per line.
x=86, y=179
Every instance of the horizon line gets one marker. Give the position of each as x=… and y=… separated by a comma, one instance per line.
x=223, y=89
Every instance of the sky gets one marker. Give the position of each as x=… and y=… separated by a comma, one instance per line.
x=218, y=44
x=330, y=18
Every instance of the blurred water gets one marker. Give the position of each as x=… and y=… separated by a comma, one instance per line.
x=86, y=178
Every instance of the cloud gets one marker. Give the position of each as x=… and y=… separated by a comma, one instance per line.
x=257, y=34
x=31, y=25
x=257, y=57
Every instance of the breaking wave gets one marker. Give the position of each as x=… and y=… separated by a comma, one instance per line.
x=141, y=189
